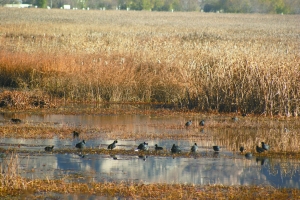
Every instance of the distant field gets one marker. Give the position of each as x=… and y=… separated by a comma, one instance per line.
x=206, y=61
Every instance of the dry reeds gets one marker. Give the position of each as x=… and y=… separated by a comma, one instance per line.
x=221, y=62
x=10, y=180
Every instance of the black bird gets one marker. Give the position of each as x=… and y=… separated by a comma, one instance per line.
x=175, y=149
x=80, y=145
x=49, y=148
x=242, y=149
x=216, y=148
x=194, y=148
x=265, y=146
x=244, y=114
x=15, y=120
x=143, y=146
x=112, y=145
x=189, y=123
x=75, y=134
x=248, y=155
x=259, y=149
x=158, y=148
x=201, y=123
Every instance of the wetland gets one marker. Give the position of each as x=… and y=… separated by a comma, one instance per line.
x=133, y=124
x=139, y=77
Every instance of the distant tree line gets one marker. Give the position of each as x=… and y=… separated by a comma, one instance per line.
x=228, y=6
x=253, y=6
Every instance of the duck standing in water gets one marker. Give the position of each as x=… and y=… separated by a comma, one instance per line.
x=112, y=145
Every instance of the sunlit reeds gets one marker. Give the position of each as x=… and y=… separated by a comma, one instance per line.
x=211, y=62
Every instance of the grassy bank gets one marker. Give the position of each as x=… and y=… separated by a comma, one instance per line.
x=210, y=62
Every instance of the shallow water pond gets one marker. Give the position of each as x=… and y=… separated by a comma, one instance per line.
x=227, y=167
x=211, y=168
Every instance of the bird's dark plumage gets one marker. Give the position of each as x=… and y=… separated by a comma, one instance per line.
x=194, y=148
x=76, y=134
x=242, y=149
x=49, y=148
x=15, y=120
x=202, y=123
x=143, y=146
x=259, y=149
x=80, y=145
x=265, y=146
x=189, y=123
x=216, y=148
x=175, y=149
x=158, y=148
x=112, y=145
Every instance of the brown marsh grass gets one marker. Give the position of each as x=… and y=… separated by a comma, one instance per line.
x=211, y=62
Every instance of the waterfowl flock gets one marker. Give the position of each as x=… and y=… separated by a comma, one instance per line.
x=174, y=149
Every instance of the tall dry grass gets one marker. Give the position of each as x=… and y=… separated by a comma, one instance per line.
x=221, y=62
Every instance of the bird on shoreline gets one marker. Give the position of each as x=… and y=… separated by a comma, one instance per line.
x=175, y=149
x=49, y=148
x=143, y=146
x=242, y=149
x=194, y=148
x=259, y=149
x=188, y=123
x=16, y=120
x=158, y=148
x=202, y=123
x=265, y=146
x=80, y=145
x=216, y=148
x=112, y=145
x=75, y=134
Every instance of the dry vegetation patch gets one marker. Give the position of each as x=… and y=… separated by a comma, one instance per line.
x=219, y=62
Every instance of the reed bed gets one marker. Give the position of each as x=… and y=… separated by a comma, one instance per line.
x=206, y=61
